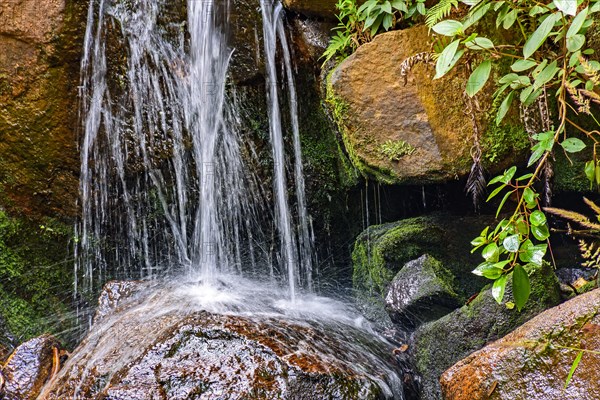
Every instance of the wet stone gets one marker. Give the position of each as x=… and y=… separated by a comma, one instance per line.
x=28, y=368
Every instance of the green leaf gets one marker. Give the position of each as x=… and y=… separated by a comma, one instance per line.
x=511, y=243
x=523, y=177
x=478, y=78
x=498, y=288
x=573, y=367
x=529, y=197
x=508, y=175
x=546, y=75
x=590, y=170
x=540, y=232
x=541, y=33
x=521, y=286
x=510, y=19
x=506, y=196
x=475, y=15
x=387, y=7
x=573, y=145
x=480, y=43
x=536, y=155
x=523, y=65
x=495, y=192
x=504, y=107
x=491, y=252
x=488, y=270
x=537, y=218
x=568, y=7
x=447, y=59
x=448, y=27
x=575, y=43
x=577, y=23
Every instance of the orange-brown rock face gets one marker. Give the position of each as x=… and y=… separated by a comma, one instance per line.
x=40, y=42
x=533, y=361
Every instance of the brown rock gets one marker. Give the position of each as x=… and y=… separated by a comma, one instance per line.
x=28, y=368
x=313, y=8
x=533, y=361
x=40, y=42
x=425, y=120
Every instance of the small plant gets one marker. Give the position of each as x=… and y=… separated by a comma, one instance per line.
x=359, y=25
x=394, y=150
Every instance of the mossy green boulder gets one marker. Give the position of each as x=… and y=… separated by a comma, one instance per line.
x=382, y=250
x=422, y=291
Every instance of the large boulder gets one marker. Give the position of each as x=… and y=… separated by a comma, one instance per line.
x=29, y=367
x=533, y=362
x=416, y=132
x=439, y=344
x=161, y=344
x=422, y=291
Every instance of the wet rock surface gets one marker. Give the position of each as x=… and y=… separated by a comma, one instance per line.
x=422, y=291
x=113, y=294
x=533, y=361
x=29, y=367
x=152, y=348
x=439, y=344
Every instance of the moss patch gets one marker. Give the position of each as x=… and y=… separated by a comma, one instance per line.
x=35, y=277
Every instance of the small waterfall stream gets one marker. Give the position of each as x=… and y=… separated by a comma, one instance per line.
x=167, y=188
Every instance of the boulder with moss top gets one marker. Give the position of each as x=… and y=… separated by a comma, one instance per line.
x=381, y=251
x=418, y=131
x=422, y=291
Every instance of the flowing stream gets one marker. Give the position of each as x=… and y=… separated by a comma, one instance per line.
x=166, y=184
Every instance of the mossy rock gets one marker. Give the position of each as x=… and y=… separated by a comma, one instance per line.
x=375, y=111
x=422, y=291
x=439, y=344
x=381, y=251
x=36, y=279
x=39, y=74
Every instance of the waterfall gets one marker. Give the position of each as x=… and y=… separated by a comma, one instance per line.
x=165, y=188
x=297, y=257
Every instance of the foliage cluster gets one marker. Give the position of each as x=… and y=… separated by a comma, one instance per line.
x=549, y=64
x=358, y=25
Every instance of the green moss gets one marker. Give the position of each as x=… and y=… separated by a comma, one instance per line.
x=338, y=110
x=35, y=277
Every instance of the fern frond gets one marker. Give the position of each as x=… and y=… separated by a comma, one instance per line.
x=590, y=252
x=476, y=183
x=573, y=216
x=439, y=11
x=592, y=205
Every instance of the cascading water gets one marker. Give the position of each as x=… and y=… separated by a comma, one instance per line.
x=166, y=186
x=162, y=169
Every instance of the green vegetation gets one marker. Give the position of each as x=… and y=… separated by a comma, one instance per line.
x=35, y=277
x=394, y=150
x=358, y=25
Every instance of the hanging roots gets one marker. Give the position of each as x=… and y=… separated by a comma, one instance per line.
x=408, y=64
x=476, y=182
